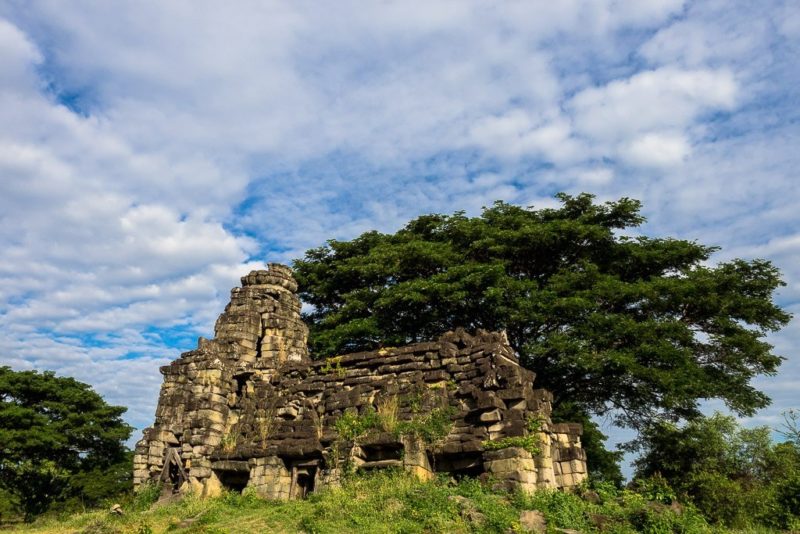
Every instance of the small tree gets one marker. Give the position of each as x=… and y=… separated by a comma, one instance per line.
x=54, y=430
x=790, y=429
x=735, y=476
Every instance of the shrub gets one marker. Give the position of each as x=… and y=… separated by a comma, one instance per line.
x=736, y=477
x=351, y=425
x=431, y=427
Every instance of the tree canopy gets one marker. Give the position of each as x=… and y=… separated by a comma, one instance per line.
x=640, y=327
x=54, y=431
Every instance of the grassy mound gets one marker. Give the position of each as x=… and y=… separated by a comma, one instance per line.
x=389, y=502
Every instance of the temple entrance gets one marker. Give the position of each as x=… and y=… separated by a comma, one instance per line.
x=233, y=480
x=305, y=481
x=172, y=474
x=304, y=477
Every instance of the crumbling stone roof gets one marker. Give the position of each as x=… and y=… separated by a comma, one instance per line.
x=249, y=408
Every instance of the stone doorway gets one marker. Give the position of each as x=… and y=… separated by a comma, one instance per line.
x=304, y=477
x=172, y=475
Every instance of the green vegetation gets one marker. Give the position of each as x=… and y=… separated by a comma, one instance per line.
x=638, y=325
x=60, y=444
x=529, y=442
x=229, y=441
x=333, y=365
x=431, y=427
x=394, y=502
x=735, y=476
x=351, y=425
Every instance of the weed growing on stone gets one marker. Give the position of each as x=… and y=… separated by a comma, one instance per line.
x=352, y=426
x=529, y=442
x=415, y=400
x=431, y=428
x=319, y=426
x=229, y=441
x=387, y=412
x=333, y=365
x=265, y=420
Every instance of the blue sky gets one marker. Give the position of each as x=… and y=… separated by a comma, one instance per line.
x=153, y=152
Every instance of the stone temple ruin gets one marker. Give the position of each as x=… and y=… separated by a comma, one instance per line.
x=250, y=409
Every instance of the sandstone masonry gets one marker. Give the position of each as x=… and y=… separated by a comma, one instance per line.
x=250, y=409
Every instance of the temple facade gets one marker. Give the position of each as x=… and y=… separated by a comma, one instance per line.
x=251, y=409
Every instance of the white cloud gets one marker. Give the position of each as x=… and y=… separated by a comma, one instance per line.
x=656, y=149
x=19, y=55
x=696, y=43
x=640, y=13
x=595, y=176
x=650, y=100
x=515, y=134
x=98, y=236
x=130, y=134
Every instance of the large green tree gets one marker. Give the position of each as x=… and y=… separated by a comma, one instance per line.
x=640, y=327
x=54, y=433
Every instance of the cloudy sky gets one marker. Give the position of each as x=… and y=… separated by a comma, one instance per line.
x=152, y=152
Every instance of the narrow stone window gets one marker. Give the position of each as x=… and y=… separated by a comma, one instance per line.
x=382, y=455
x=460, y=465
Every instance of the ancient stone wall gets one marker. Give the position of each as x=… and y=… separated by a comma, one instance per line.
x=249, y=409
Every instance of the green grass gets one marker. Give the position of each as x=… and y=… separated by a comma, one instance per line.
x=385, y=502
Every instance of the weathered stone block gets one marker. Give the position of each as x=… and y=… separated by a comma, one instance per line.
x=492, y=416
x=508, y=452
x=577, y=466
x=510, y=464
x=523, y=476
x=200, y=472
